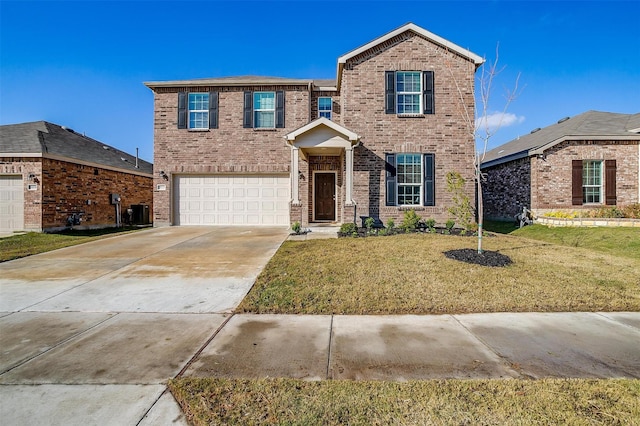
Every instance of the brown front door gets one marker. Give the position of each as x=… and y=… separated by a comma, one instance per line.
x=324, y=190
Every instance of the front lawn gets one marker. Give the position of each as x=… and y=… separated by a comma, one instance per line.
x=22, y=245
x=442, y=402
x=409, y=274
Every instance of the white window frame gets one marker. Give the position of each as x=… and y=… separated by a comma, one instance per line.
x=588, y=193
x=418, y=201
x=202, y=114
x=256, y=110
x=400, y=93
x=329, y=111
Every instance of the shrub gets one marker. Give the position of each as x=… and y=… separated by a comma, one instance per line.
x=431, y=224
x=561, y=215
x=449, y=225
x=410, y=221
x=605, y=212
x=631, y=211
x=348, y=229
x=295, y=227
x=391, y=223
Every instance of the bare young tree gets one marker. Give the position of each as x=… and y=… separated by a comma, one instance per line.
x=477, y=124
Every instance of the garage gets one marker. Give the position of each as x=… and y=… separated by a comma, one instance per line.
x=11, y=204
x=231, y=200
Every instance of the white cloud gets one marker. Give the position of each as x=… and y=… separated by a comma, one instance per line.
x=497, y=120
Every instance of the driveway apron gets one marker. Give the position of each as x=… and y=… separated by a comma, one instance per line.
x=90, y=334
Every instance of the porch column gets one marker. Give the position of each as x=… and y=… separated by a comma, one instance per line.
x=349, y=176
x=295, y=180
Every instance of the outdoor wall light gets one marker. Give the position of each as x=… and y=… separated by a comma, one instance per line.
x=33, y=178
x=164, y=175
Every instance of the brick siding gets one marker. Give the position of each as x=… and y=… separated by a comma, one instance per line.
x=65, y=188
x=443, y=133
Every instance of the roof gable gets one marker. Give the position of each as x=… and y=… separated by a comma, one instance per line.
x=477, y=60
x=52, y=140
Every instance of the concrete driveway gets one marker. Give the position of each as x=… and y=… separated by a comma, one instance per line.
x=90, y=334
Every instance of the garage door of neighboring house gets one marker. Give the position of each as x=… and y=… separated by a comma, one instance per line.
x=11, y=203
x=231, y=200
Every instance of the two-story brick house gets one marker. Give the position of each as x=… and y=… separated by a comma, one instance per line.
x=377, y=140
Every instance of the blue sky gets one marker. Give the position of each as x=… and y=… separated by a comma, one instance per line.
x=82, y=64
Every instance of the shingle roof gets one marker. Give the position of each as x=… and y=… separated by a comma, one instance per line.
x=593, y=125
x=41, y=137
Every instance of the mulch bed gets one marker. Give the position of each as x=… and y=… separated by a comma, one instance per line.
x=486, y=258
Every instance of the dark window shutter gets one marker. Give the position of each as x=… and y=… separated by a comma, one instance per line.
x=390, y=92
x=429, y=104
x=213, y=110
x=247, y=115
x=390, y=179
x=576, y=182
x=429, y=180
x=610, y=182
x=182, y=110
x=279, y=109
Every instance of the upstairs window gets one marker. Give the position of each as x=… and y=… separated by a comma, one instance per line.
x=409, y=92
x=198, y=110
x=263, y=110
x=325, y=107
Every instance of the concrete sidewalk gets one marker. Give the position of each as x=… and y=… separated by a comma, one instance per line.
x=410, y=347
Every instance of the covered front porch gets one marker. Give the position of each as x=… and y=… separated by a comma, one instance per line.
x=322, y=173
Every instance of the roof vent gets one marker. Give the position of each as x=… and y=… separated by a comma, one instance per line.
x=67, y=129
x=105, y=147
x=536, y=130
x=562, y=120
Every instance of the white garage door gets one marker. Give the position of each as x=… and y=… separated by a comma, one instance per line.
x=11, y=203
x=231, y=200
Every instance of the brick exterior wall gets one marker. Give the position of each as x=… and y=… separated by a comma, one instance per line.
x=551, y=176
x=443, y=133
x=507, y=189
x=32, y=199
x=228, y=149
x=544, y=184
x=358, y=107
x=65, y=188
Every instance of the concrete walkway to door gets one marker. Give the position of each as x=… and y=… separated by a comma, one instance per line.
x=90, y=334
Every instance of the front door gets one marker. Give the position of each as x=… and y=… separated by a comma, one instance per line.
x=324, y=190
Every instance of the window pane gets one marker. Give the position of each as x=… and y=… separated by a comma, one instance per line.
x=265, y=119
x=199, y=120
x=264, y=100
x=198, y=101
x=324, y=104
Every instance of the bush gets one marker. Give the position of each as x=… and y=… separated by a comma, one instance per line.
x=431, y=224
x=462, y=208
x=391, y=223
x=449, y=225
x=561, y=215
x=631, y=211
x=348, y=229
x=410, y=221
x=295, y=227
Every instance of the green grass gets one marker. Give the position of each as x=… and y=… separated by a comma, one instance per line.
x=23, y=245
x=207, y=401
x=623, y=242
x=409, y=274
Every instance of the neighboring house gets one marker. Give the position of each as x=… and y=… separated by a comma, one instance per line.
x=52, y=177
x=377, y=140
x=583, y=162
